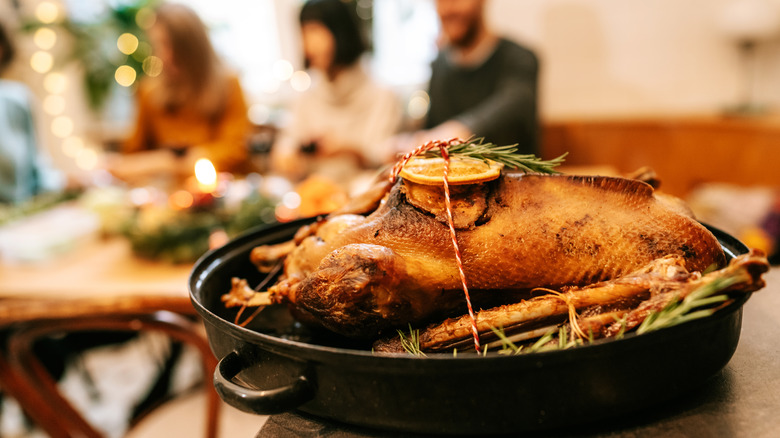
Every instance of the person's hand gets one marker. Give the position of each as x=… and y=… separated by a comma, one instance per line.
x=136, y=168
x=445, y=131
x=329, y=146
x=402, y=143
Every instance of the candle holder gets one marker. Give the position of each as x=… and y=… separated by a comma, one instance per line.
x=193, y=220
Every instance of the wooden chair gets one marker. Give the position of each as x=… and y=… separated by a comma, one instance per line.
x=25, y=378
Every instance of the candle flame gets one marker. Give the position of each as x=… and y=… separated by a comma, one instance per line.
x=206, y=175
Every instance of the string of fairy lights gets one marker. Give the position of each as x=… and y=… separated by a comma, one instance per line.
x=56, y=83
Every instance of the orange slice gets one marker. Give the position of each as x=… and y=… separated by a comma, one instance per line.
x=462, y=171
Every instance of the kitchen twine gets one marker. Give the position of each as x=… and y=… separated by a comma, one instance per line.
x=399, y=165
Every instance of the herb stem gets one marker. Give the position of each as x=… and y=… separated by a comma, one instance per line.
x=506, y=155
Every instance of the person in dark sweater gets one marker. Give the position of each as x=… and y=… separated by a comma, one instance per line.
x=481, y=85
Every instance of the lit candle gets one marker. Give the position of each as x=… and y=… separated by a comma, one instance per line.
x=206, y=179
x=206, y=175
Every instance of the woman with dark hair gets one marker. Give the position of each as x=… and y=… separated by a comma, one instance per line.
x=24, y=169
x=193, y=109
x=338, y=19
x=340, y=122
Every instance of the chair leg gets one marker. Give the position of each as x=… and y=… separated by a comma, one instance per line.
x=62, y=415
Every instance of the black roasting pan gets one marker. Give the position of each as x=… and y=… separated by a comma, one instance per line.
x=275, y=365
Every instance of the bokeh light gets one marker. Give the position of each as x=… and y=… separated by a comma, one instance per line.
x=145, y=18
x=55, y=83
x=54, y=104
x=62, y=126
x=181, y=199
x=141, y=195
x=41, y=61
x=72, y=146
x=152, y=66
x=87, y=159
x=291, y=200
x=259, y=113
x=125, y=75
x=45, y=38
x=47, y=12
x=418, y=104
x=127, y=43
x=300, y=81
x=283, y=70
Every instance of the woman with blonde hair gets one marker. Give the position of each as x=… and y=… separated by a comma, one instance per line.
x=195, y=107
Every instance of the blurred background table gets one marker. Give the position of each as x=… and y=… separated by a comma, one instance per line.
x=101, y=272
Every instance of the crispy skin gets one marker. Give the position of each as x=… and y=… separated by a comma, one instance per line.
x=516, y=233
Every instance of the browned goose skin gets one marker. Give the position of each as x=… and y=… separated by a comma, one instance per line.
x=360, y=275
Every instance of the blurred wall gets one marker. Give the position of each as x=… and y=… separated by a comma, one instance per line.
x=620, y=58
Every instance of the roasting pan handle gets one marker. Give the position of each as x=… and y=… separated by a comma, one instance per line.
x=256, y=401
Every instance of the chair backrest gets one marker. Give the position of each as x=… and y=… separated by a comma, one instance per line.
x=43, y=401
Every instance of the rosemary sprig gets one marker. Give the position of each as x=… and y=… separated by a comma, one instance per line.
x=680, y=311
x=411, y=344
x=695, y=305
x=507, y=346
x=541, y=344
x=562, y=337
x=622, y=321
x=506, y=155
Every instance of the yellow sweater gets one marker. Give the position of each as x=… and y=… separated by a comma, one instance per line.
x=222, y=139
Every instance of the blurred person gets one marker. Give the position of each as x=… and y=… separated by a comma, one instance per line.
x=193, y=109
x=25, y=170
x=481, y=85
x=338, y=126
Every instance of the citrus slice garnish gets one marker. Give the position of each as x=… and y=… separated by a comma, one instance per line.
x=430, y=171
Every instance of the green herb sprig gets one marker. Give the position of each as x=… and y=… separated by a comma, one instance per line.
x=506, y=155
x=680, y=311
x=700, y=303
x=542, y=344
x=411, y=343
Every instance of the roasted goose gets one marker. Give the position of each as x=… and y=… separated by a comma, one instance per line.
x=361, y=275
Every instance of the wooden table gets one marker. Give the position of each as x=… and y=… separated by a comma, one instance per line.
x=98, y=285
x=97, y=267
x=101, y=274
